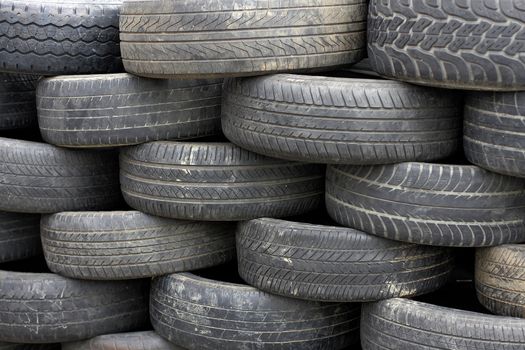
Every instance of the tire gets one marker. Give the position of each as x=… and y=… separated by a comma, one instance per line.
x=40, y=178
x=400, y=324
x=68, y=309
x=434, y=204
x=128, y=341
x=121, y=109
x=495, y=131
x=499, y=275
x=472, y=45
x=329, y=263
x=190, y=312
x=11, y=346
x=340, y=120
x=19, y=237
x=130, y=244
x=210, y=38
x=216, y=182
x=52, y=38
x=17, y=101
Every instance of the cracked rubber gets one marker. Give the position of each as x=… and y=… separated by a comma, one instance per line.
x=19, y=236
x=202, y=314
x=129, y=244
x=216, y=182
x=59, y=37
x=165, y=38
x=471, y=45
x=121, y=109
x=423, y=203
x=125, y=341
x=17, y=101
x=340, y=120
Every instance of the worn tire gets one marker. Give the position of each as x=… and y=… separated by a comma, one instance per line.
x=47, y=308
x=12, y=346
x=435, y=204
x=495, y=131
x=198, y=313
x=17, y=101
x=473, y=45
x=401, y=324
x=340, y=120
x=121, y=109
x=19, y=236
x=328, y=263
x=165, y=38
x=216, y=181
x=125, y=341
x=129, y=244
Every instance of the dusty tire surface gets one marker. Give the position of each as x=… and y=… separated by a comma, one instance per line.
x=122, y=109
x=19, y=236
x=471, y=45
x=129, y=244
x=340, y=120
x=17, y=101
x=198, y=313
x=424, y=203
x=128, y=341
x=216, y=182
x=164, y=38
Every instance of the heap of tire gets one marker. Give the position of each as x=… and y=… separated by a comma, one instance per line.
x=263, y=175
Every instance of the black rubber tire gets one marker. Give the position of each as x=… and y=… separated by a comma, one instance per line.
x=340, y=120
x=125, y=341
x=494, y=132
x=473, y=45
x=17, y=100
x=216, y=182
x=328, y=263
x=47, y=308
x=434, y=204
x=40, y=178
x=401, y=324
x=19, y=236
x=500, y=272
x=202, y=314
x=122, y=109
x=130, y=244
x=12, y=346
x=165, y=38
x=59, y=37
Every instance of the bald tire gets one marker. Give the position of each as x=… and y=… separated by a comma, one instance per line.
x=128, y=341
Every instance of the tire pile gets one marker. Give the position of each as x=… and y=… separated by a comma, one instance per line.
x=251, y=182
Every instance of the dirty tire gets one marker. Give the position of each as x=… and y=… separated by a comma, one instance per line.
x=17, y=101
x=190, y=311
x=340, y=120
x=40, y=178
x=216, y=182
x=13, y=346
x=396, y=324
x=472, y=45
x=434, y=204
x=66, y=37
x=73, y=309
x=165, y=38
x=495, y=131
x=129, y=244
x=128, y=341
x=19, y=236
x=328, y=263
x=500, y=272
x=121, y=109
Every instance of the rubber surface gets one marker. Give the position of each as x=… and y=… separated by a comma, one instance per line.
x=17, y=101
x=423, y=203
x=123, y=341
x=59, y=37
x=47, y=308
x=340, y=120
x=40, y=178
x=397, y=324
x=198, y=313
x=216, y=181
x=19, y=236
x=121, y=109
x=165, y=38
x=129, y=244
x=472, y=45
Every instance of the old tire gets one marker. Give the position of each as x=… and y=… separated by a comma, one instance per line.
x=216, y=181
x=198, y=313
x=17, y=101
x=340, y=120
x=164, y=38
x=423, y=203
x=472, y=45
x=121, y=109
x=129, y=244
x=19, y=236
x=128, y=341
